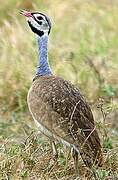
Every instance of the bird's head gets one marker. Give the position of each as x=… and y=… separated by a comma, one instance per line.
x=39, y=23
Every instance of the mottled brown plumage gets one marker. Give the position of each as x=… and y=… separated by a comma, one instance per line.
x=61, y=109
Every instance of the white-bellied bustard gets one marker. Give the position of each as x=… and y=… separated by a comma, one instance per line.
x=58, y=108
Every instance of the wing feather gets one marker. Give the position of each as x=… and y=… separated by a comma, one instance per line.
x=75, y=114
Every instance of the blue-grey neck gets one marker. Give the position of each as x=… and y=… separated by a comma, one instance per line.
x=43, y=64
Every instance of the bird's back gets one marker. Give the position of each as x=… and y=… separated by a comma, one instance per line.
x=61, y=112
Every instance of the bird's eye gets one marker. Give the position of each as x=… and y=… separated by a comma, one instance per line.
x=40, y=22
x=39, y=18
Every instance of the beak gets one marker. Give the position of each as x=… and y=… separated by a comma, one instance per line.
x=26, y=13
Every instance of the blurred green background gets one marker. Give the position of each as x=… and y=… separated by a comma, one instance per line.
x=83, y=49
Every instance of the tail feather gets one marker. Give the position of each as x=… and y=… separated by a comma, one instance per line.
x=90, y=148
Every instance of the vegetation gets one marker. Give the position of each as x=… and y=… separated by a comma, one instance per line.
x=83, y=49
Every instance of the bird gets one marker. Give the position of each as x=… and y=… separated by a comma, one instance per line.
x=58, y=108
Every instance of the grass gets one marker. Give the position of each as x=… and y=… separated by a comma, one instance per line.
x=83, y=49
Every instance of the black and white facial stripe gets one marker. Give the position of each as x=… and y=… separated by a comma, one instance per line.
x=39, y=23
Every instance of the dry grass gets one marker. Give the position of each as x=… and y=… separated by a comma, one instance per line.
x=83, y=49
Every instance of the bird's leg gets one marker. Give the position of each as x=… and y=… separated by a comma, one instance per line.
x=68, y=155
x=75, y=157
x=54, y=151
x=53, y=160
